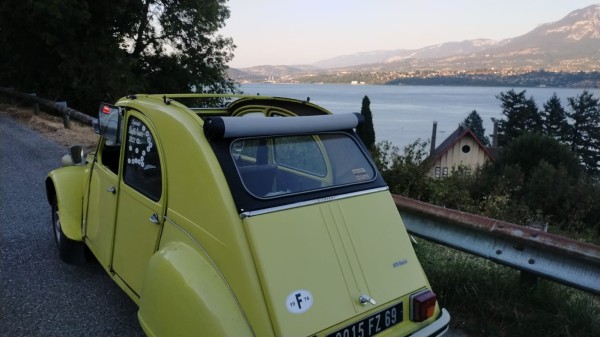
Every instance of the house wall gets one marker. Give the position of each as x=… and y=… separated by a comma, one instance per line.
x=466, y=152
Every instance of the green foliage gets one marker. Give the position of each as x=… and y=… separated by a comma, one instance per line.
x=366, y=131
x=522, y=116
x=555, y=119
x=488, y=299
x=89, y=50
x=535, y=178
x=475, y=123
x=528, y=150
x=453, y=191
x=405, y=174
x=584, y=136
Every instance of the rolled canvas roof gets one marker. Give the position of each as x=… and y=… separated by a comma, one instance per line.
x=233, y=127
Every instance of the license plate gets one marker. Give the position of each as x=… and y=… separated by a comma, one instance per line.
x=373, y=324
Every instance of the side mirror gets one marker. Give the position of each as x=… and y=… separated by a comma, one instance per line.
x=75, y=156
x=110, y=118
x=76, y=152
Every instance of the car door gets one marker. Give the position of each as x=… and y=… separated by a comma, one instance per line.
x=141, y=201
x=102, y=202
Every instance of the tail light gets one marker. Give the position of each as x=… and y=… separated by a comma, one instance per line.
x=422, y=305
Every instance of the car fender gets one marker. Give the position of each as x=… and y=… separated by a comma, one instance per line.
x=184, y=295
x=66, y=185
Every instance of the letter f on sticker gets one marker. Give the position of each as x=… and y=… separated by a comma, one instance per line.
x=299, y=300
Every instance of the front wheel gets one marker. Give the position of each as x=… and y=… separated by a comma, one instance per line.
x=70, y=251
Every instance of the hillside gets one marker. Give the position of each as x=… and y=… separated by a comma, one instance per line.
x=568, y=45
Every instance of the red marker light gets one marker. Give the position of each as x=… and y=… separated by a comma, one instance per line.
x=106, y=109
x=422, y=305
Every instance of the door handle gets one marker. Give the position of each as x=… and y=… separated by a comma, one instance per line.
x=154, y=218
x=112, y=190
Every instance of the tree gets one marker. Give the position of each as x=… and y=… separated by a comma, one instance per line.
x=522, y=116
x=529, y=150
x=366, y=131
x=534, y=176
x=84, y=51
x=584, y=136
x=475, y=123
x=555, y=119
x=181, y=35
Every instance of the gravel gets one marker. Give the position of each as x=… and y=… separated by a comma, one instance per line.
x=39, y=294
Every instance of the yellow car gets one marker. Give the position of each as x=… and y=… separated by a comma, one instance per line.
x=225, y=215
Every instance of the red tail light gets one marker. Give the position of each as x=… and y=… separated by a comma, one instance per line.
x=422, y=305
x=106, y=109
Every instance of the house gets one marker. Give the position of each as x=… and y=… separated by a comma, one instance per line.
x=461, y=148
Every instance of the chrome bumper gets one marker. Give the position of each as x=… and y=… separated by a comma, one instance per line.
x=437, y=328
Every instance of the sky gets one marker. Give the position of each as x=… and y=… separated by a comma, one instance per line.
x=291, y=32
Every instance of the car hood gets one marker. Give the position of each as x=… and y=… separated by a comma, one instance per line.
x=315, y=261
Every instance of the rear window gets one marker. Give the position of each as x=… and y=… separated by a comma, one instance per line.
x=277, y=166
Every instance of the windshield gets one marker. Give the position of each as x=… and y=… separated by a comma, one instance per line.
x=275, y=166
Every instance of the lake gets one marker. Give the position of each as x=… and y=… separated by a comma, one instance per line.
x=402, y=114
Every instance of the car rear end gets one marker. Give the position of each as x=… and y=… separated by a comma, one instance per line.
x=330, y=249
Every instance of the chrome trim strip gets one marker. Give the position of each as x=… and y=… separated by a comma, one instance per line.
x=245, y=215
x=217, y=269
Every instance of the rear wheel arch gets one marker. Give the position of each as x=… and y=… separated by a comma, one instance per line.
x=184, y=285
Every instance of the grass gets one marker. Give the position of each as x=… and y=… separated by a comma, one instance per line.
x=487, y=299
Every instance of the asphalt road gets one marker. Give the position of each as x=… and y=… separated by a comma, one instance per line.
x=40, y=295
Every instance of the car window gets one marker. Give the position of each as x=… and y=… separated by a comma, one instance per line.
x=275, y=166
x=110, y=156
x=300, y=153
x=141, y=169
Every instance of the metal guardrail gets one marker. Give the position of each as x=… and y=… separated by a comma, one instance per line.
x=561, y=259
x=54, y=106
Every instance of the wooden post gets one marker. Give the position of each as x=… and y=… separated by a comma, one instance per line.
x=36, y=105
x=65, y=117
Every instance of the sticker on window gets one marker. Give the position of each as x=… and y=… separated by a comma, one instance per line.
x=361, y=174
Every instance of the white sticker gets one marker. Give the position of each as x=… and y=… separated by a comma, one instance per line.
x=299, y=301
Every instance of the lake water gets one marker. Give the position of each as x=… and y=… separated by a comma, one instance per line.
x=402, y=114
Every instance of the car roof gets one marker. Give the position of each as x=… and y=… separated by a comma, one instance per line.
x=205, y=105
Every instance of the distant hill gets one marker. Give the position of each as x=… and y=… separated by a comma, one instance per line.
x=436, y=51
x=570, y=44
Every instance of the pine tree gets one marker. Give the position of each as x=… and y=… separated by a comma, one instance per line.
x=475, y=123
x=366, y=131
x=522, y=116
x=555, y=119
x=584, y=136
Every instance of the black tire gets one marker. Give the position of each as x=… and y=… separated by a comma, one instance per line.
x=69, y=251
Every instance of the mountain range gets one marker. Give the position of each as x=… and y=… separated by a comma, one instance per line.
x=571, y=44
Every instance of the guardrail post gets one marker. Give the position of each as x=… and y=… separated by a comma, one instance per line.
x=65, y=117
x=528, y=279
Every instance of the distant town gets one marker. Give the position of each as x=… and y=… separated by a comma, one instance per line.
x=505, y=77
